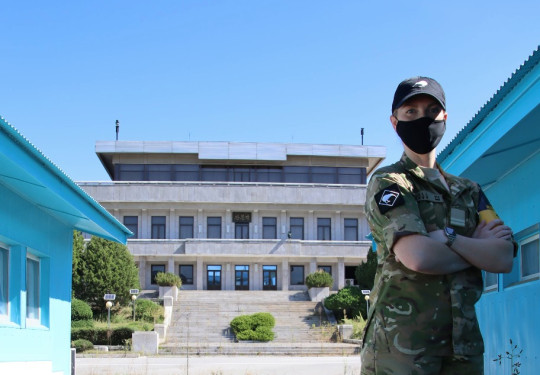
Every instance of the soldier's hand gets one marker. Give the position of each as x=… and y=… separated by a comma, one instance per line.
x=493, y=229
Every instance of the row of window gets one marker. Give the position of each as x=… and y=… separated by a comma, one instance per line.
x=32, y=287
x=185, y=271
x=526, y=265
x=195, y=172
x=241, y=229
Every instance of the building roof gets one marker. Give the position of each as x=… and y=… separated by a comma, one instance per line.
x=25, y=170
x=492, y=103
x=503, y=134
x=239, y=152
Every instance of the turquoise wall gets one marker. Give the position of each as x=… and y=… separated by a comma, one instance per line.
x=512, y=311
x=24, y=228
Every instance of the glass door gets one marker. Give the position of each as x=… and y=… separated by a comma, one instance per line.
x=213, y=278
x=241, y=277
x=269, y=277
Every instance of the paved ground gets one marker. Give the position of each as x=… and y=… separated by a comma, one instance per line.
x=219, y=365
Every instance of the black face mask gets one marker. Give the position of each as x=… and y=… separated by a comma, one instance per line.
x=421, y=135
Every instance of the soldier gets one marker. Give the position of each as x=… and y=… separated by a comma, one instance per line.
x=431, y=248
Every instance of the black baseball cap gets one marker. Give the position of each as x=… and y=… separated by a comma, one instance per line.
x=416, y=86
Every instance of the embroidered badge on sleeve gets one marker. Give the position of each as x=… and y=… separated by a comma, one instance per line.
x=389, y=198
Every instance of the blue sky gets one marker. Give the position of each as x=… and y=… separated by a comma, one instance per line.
x=303, y=71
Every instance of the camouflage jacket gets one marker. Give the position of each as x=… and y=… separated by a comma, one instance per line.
x=411, y=312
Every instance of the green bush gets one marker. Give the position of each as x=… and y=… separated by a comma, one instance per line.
x=102, y=336
x=81, y=345
x=80, y=310
x=148, y=311
x=256, y=327
x=319, y=279
x=349, y=299
x=82, y=324
x=241, y=323
x=168, y=279
x=262, y=320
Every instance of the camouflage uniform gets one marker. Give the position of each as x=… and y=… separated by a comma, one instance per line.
x=414, y=314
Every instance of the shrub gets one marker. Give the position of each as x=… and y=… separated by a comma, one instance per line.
x=81, y=345
x=80, y=310
x=168, y=279
x=319, y=279
x=241, y=323
x=102, y=336
x=262, y=320
x=256, y=327
x=148, y=311
x=349, y=299
x=82, y=324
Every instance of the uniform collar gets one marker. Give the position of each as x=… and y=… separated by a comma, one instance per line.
x=416, y=170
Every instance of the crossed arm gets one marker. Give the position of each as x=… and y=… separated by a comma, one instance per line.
x=488, y=249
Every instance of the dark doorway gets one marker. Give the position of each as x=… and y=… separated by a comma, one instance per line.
x=213, y=278
x=241, y=277
x=269, y=277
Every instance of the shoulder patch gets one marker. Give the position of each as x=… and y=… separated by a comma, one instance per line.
x=388, y=198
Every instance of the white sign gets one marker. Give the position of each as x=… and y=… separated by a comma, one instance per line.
x=109, y=297
x=134, y=291
x=366, y=291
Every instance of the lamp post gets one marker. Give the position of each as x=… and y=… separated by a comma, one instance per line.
x=367, y=303
x=108, y=305
x=133, y=298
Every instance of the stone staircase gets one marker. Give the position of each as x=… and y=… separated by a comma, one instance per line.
x=200, y=324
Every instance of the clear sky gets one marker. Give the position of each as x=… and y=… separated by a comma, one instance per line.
x=303, y=71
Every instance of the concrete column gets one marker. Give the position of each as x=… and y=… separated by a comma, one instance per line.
x=312, y=265
x=256, y=225
x=283, y=227
x=341, y=273
x=337, y=227
x=170, y=265
x=285, y=274
x=142, y=272
x=173, y=225
x=200, y=225
x=255, y=274
x=145, y=224
x=199, y=272
x=229, y=226
x=311, y=229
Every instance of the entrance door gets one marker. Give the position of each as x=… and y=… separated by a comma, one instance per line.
x=269, y=277
x=241, y=277
x=213, y=278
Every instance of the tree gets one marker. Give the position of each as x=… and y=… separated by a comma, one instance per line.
x=105, y=267
x=365, y=272
x=78, y=248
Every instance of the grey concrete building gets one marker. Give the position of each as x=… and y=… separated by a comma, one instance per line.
x=244, y=216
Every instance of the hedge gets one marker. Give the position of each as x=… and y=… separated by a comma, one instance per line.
x=100, y=336
x=349, y=299
x=148, y=311
x=256, y=327
x=81, y=345
x=319, y=279
x=168, y=279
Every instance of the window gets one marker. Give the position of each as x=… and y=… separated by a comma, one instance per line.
x=214, y=174
x=323, y=229
x=529, y=257
x=269, y=228
x=241, y=174
x=213, y=227
x=351, y=230
x=4, y=281
x=132, y=223
x=186, y=172
x=296, y=174
x=159, y=172
x=158, y=227
x=186, y=274
x=186, y=227
x=296, y=228
x=241, y=231
x=297, y=275
x=32, y=288
x=324, y=175
x=130, y=172
x=327, y=269
x=154, y=270
x=269, y=174
x=490, y=280
x=351, y=175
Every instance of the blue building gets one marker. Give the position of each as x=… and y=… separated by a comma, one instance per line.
x=39, y=209
x=500, y=149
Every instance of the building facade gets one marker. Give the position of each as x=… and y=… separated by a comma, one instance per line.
x=500, y=149
x=239, y=216
x=39, y=209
